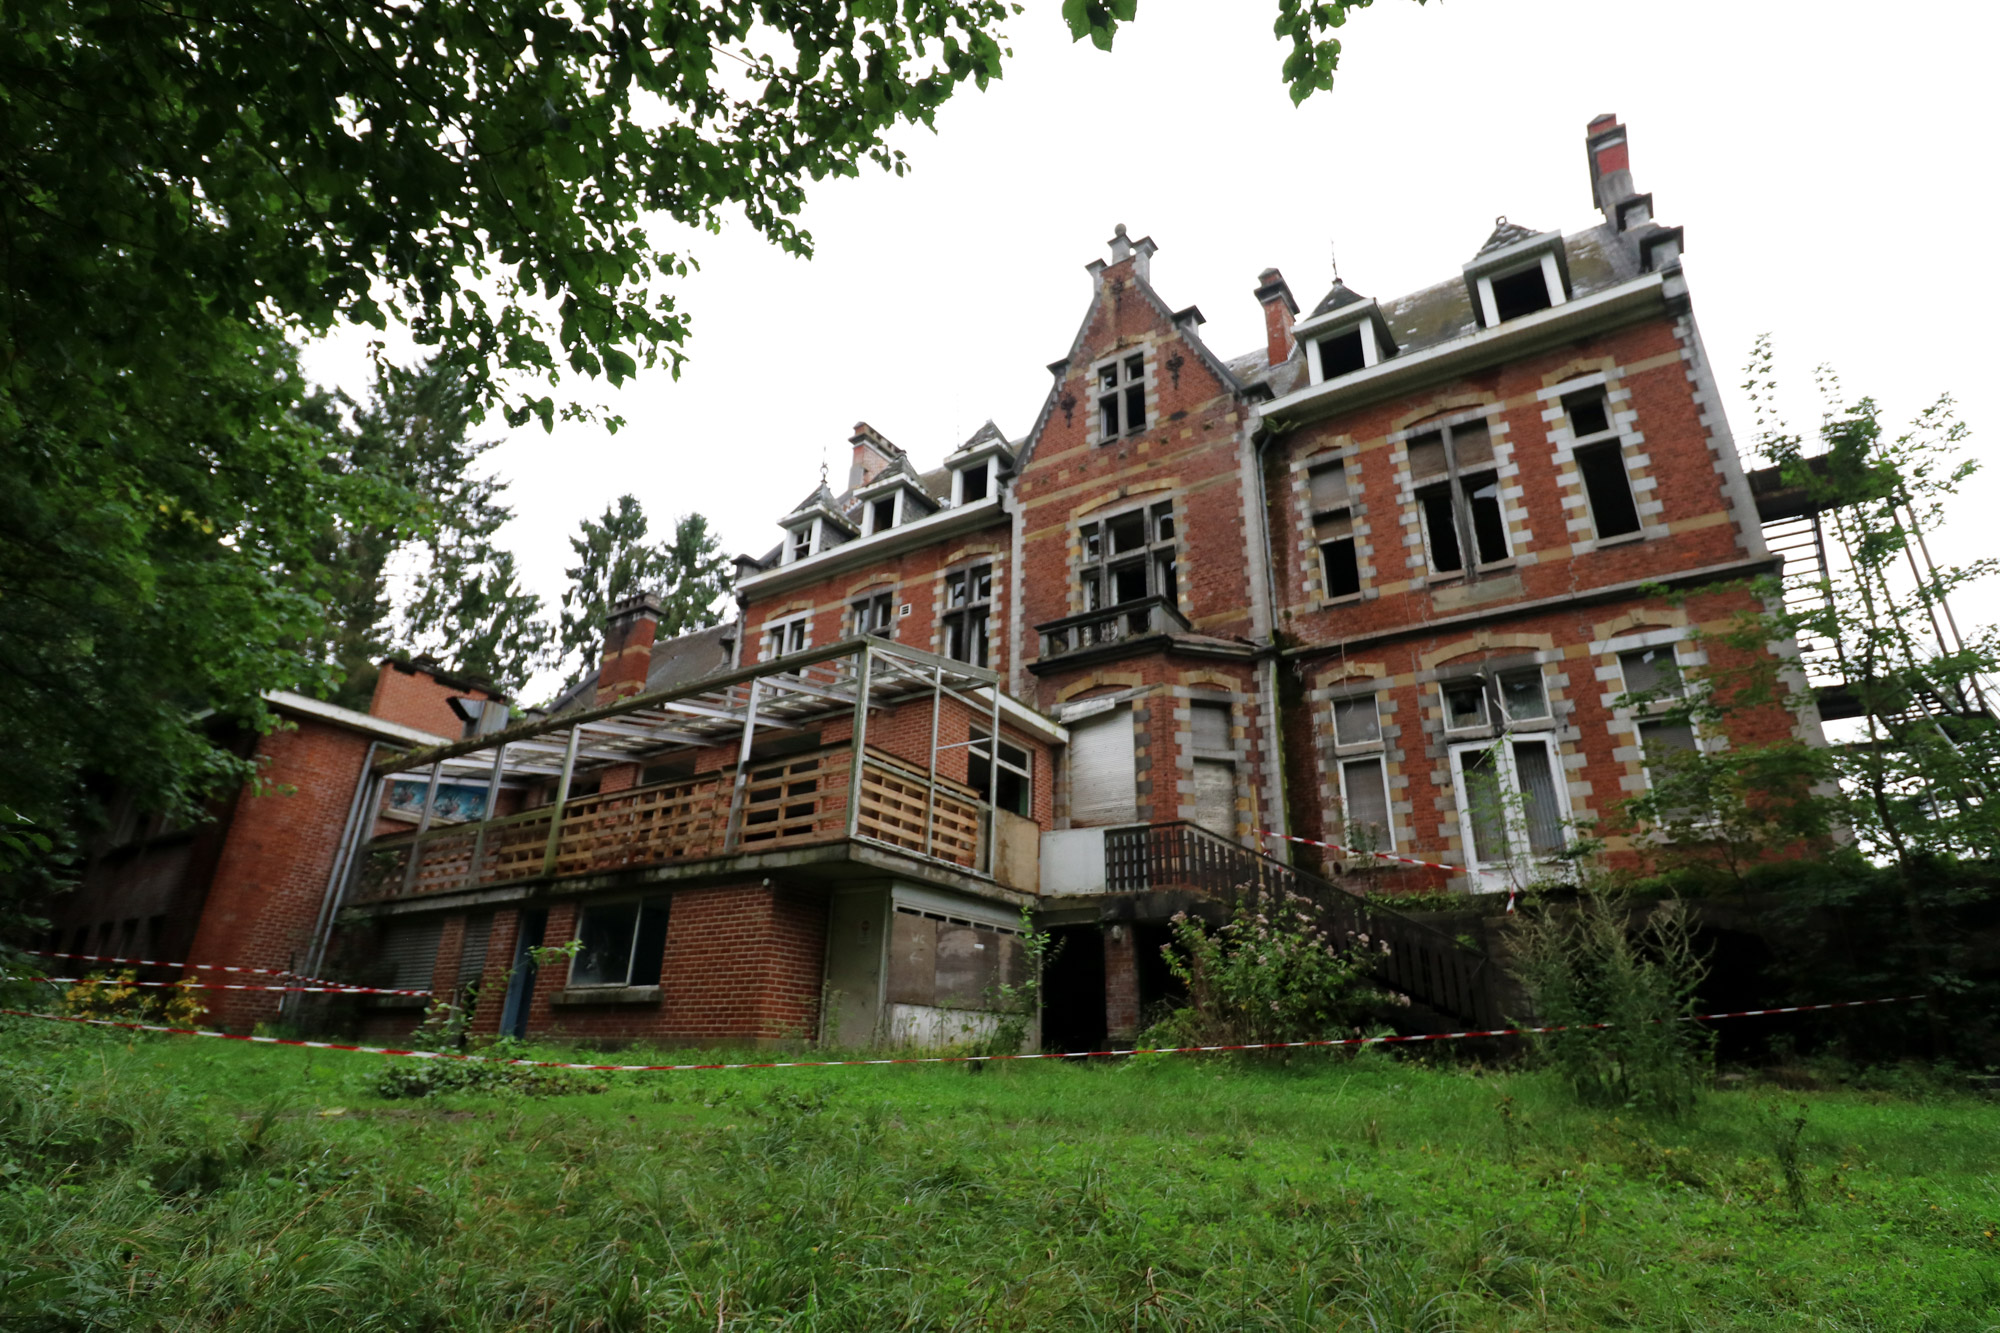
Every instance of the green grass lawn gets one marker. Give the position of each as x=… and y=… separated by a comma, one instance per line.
x=172, y=1183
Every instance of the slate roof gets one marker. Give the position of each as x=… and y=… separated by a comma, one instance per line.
x=677, y=661
x=1340, y=295
x=1506, y=233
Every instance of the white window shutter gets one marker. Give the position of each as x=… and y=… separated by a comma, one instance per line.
x=1104, y=785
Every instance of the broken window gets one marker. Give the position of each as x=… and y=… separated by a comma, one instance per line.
x=1014, y=790
x=1524, y=697
x=968, y=608
x=1522, y=292
x=1654, y=673
x=882, y=514
x=1600, y=460
x=802, y=542
x=876, y=614
x=1342, y=354
x=972, y=483
x=1510, y=804
x=1333, y=530
x=1121, y=396
x=1356, y=721
x=620, y=944
x=1130, y=557
x=1458, y=493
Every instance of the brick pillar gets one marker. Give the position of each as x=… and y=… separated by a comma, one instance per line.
x=444, y=972
x=628, y=647
x=1121, y=983
x=493, y=981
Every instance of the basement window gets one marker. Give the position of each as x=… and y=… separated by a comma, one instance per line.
x=1121, y=397
x=1521, y=292
x=621, y=944
x=1457, y=489
x=1333, y=531
x=1341, y=354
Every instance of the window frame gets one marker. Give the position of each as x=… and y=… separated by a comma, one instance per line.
x=1095, y=573
x=1373, y=749
x=1544, y=260
x=640, y=907
x=1465, y=529
x=961, y=616
x=1119, y=393
x=1344, y=512
x=804, y=534
x=997, y=762
x=877, y=604
x=1609, y=441
x=1501, y=745
x=776, y=633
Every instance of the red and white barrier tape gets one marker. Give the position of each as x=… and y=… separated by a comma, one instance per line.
x=1379, y=856
x=201, y=967
x=331, y=988
x=931, y=1059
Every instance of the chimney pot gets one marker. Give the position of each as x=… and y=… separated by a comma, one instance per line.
x=629, y=632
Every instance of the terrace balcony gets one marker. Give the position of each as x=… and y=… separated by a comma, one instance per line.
x=771, y=767
x=1111, y=627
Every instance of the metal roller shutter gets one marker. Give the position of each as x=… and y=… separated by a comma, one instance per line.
x=1104, y=787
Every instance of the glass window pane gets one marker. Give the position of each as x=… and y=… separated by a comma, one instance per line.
x=605, y=957
x=1465, y=705
x=1356, y=721
x=1485, y=795
x=1540, y=810
x=1365, y=798
x=649, y=945
x=1524, y=695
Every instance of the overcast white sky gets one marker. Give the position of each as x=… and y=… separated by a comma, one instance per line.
x=1832, y=164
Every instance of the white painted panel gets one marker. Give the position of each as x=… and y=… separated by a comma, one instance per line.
x=1072, y=861
x=1104, y=787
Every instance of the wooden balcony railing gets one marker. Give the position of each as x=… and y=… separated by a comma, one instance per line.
x=794, y=801
x=1111, y=624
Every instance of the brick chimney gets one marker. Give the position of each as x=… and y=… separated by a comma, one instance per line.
x=1279, y=311
x=628, y=647
x=1610, y=165
x=872, y=453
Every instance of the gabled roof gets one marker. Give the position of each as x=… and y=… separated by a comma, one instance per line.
x=1340, y=295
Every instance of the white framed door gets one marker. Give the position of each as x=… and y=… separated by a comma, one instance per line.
x=1512, y=802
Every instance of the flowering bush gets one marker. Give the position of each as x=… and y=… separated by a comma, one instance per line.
x=121, y=1001
x=1271, y=973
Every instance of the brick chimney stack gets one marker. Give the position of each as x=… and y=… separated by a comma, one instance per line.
x=628, y=647
x=1610, y=165
x=872, y=453
x=1279, y=311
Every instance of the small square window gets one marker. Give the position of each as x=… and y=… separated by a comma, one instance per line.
x=882, y=514
x=1524, y=695
x=1465, y=705
x=876, y=615
x=802, y=540
x=1587, y=414
x=972, y=483
x=1341, y=354
x=621, y=944
x=1356, y=721
x=1121, y=397
x=1521, y=293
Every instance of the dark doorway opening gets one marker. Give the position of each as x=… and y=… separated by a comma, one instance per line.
x=1073, y=990
x=521, y=983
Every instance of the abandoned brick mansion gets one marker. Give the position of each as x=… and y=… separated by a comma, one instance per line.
x=1379, y=583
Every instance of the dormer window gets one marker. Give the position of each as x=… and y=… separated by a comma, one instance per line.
x=801, y=544
x=1121, y=396
x=1342, y=354
x=882, y=514
x=973, y=482
x=1519, y=293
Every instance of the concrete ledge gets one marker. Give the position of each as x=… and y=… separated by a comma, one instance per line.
x=579, y=995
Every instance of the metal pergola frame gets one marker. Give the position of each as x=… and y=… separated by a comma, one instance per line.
x=851, y=677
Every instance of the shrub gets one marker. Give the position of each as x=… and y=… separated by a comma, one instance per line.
x=124, y=1002
x=1271, y=973
x=1583, y=965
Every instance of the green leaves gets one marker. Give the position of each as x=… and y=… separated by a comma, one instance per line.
x=614, y=560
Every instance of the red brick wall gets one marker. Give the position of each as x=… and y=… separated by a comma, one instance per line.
x=411, y=697
x=1121, y=983
x=276, y=859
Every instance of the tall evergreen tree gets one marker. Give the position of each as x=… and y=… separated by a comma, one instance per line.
x=614, y=561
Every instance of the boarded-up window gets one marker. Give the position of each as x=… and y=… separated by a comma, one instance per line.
x=1104, y=787
x=1215, y=796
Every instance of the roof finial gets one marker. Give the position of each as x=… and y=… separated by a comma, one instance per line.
x=1333, y=253
x=1500, y=221
x=822, y=464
